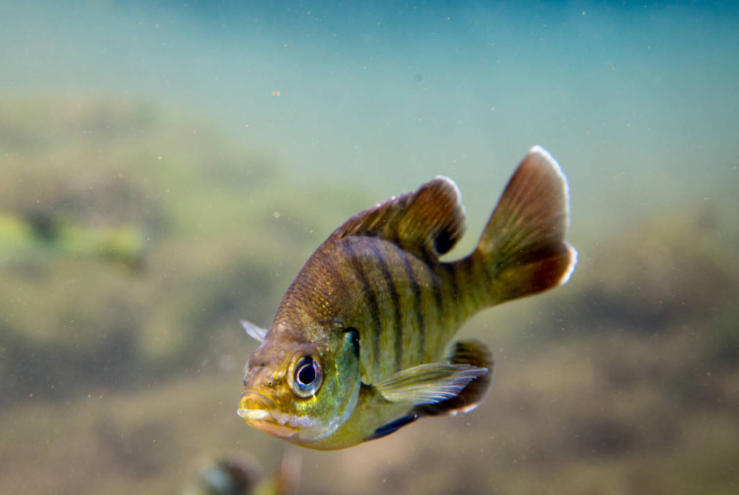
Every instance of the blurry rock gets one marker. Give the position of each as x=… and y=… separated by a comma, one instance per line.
x=238, y=474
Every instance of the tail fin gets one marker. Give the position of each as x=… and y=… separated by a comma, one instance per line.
x=523, y=248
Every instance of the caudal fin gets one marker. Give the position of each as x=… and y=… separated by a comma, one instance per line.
x=523, y=248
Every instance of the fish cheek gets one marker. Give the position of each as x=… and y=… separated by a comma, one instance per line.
x=320, y=415
x=306, y=408
x=335, y=400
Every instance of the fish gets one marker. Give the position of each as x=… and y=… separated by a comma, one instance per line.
x=362, y=342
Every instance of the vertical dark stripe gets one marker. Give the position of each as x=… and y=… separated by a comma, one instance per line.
x=340, y=288
x=387, y=275
x=451, y=274
x=433, y=264
x=356, y=264
x=472, y=286
x=485, y=266
x=418, y=303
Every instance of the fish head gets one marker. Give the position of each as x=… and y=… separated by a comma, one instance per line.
x=301, y=391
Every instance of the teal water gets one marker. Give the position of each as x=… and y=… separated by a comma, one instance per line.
x=634, y=99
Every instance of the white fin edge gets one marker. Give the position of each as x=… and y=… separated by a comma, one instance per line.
x=254, y=331
x=456, y=188
x=571, y=269
x=539, y=150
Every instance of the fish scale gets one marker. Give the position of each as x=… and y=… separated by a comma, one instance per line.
x=375, y=272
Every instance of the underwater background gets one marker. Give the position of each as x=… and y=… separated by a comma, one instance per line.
x=167, y=167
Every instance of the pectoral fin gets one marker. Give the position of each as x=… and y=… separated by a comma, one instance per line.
x=435, y=389
x=428, y=383
x=254, y=331
x=472, y=353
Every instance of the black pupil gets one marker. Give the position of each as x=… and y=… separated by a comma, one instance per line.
x=306, y=374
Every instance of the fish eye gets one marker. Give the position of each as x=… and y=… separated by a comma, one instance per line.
x=307, y=377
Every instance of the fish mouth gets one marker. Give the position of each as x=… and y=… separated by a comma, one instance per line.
x=259, y=411
x=255, y=406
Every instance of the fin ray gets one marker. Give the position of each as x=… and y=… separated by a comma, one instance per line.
x=428, y=220
x=524, y=244
x=254, y=331
x=473, y=353
x=427, y=383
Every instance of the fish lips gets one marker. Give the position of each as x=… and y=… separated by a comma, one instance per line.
x=255, y=406
x=261, y=412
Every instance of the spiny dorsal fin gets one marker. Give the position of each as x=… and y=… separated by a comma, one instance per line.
x=428, y=220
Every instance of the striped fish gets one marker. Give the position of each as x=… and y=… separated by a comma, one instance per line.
x=360, y=345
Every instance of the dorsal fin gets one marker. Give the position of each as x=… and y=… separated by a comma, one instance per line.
x=429, y=220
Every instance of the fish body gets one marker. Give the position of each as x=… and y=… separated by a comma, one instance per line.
x=360, y=345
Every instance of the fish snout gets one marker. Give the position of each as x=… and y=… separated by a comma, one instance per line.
x=255, y=406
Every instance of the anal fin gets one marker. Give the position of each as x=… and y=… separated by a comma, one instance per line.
x=471, y=353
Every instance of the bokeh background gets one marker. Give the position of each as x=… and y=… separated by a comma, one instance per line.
x=167, y=167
